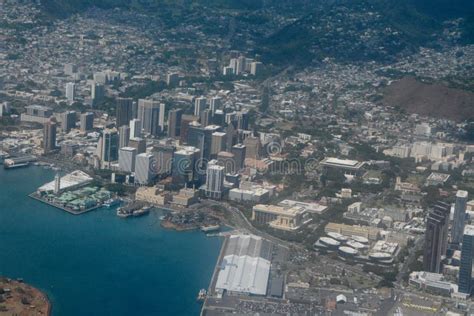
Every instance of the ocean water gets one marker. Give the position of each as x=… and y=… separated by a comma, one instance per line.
x=98, y=263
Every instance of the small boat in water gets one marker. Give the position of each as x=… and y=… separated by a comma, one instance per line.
x=144, y=210
x=202, y=295
x=121, y=212
x=210, y=228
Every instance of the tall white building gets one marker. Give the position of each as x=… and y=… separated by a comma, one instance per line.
x=70, y=91
x=127, y=157
x=214, y=180
x=144, y=169
x=135, y=128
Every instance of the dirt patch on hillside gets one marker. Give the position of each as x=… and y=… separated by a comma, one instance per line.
x=434, y=100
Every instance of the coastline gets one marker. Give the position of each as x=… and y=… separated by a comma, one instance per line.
x=23, y=299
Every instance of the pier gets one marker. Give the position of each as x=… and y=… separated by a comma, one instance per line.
x=70, y=211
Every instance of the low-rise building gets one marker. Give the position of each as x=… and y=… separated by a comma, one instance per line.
x=279, y=217
x=152, y=195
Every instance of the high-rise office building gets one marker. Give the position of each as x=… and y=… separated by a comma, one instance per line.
x=241, y=120
x=70, y=92
x=124, y=111
x=49, y=136
x=200, y=105
x=459, y=218
x=97, y=92
x=174, y=122
x=163, y=158
x=87, y=121
x=466, y=283
x=227, y=160
x=127, y=159
x=239, y=155
x=206, y=117
x=183, y=167
x=253, y=147
x=135, y=128
x=215, y=104
x=214, y=180
x=218, y=117
x=124, y=133
x=436, y=237
x=110, y=145
x=138, y=143
x=152, y=116
x=201, y=138
x=217, y=143
x=144, y=173
x=68, y=121
x=185, y=121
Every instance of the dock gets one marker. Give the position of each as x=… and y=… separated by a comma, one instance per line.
x=70, y=211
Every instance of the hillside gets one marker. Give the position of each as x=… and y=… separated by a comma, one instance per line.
x=361, y=30
x=434, y=100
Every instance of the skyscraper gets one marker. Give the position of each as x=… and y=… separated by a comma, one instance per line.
x=217, y=143
x=253, y=147
x=436, y=237
x=185, y=121
x=152, y=116
x=124, y=133
x=110, y=145
x=127, y=159
x=97, y=92
x=457, y=229
x=163, y=158
x=206, y=117
x=124, y=111
x=215, y=103
x=144, y=169
x=70, y=92
x=214, y=180
x=183, y=167
x=135, y=128
x=174, y=123
x=49, y=136
x=467, y=254
x=239, y=155
x=87, y=121
x=201, y=138
x=199, y=106
x=68, y=121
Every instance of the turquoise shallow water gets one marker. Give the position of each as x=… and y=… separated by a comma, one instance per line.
x=97, y=263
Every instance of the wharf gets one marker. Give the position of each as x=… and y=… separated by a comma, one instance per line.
x=70, y=211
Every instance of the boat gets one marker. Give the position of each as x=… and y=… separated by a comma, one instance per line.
x=112, y=202
x=202, y=295
x=144, y=210
x=121, y=212
x=210, y=228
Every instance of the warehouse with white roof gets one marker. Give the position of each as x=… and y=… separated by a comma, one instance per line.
x=245, y=266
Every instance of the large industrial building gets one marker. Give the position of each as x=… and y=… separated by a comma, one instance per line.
x=245, y=265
